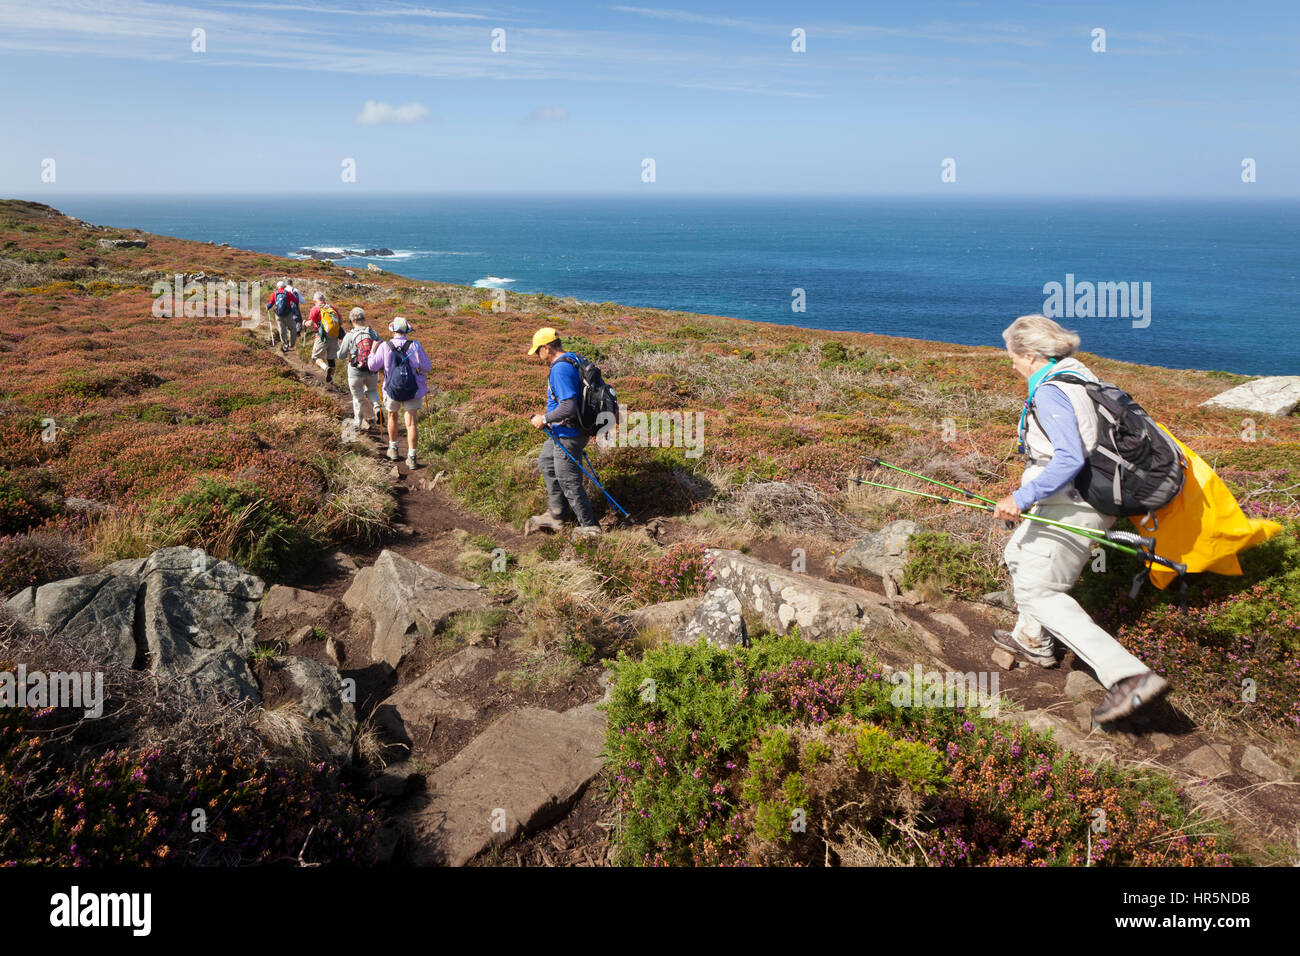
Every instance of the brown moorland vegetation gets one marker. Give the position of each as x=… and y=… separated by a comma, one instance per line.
x=189, y=429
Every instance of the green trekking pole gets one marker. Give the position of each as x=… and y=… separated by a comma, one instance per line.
x=1124, y=541
x=1088, y=532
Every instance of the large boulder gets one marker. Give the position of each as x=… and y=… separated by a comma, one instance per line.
x=1271, y=395
x=182, y=614
x=407, y=600
x=882, y=553
x=95, y=611
x=198, y=616
x=785, y=599
x=519, y=774
x=719, y=619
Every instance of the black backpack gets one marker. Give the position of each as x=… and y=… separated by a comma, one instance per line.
x=1136, y=468
x=597, y=397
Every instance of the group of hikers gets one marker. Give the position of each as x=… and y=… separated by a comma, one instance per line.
x=400, y=359
x=1059, y=433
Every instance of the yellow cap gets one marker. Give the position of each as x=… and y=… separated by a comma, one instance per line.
x=543, y=337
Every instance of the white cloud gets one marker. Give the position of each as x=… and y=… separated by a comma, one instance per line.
x=547, y=114
x=375, y=113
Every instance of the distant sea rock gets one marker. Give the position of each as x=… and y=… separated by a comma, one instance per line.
x=319, y=254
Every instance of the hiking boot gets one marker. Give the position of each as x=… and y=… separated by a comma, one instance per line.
x=410, y=461
x=587, y=531
x=392, y=452
x=1042, y=656
x=1127, y=695
x=543, y=522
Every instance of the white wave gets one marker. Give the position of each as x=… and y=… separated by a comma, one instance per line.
x=397, y=253
x=492, y=282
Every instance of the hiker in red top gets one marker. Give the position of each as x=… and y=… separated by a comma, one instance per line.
x=283, y=308
x=324, y=318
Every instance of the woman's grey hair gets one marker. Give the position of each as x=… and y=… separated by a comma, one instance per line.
x=357, y=315
x=1039, y=335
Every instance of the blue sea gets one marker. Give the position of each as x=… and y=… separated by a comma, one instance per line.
x=1223, y=276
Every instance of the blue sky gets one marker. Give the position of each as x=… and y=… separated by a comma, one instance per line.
x=713, y=92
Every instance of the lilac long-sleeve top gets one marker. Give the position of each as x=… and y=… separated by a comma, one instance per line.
x=1057, y=419
x=382, y=358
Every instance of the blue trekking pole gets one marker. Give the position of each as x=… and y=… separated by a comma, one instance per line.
x=590, y=474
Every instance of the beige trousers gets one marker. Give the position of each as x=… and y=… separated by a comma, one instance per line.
x=1044, y=563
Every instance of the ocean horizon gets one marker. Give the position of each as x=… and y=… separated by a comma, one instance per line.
x=1179, y=283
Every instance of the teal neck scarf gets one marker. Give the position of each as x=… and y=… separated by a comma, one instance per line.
x=1034, y=381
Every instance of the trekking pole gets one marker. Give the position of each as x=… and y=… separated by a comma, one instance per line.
x=873, y=462
x=1125, y=541
x=589, y=474
x=1090, y=532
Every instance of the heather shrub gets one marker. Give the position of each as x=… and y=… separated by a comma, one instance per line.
x=493, y=472
x=710, y=751
x=810, y=787
x=35, y=559
x=644, y=574
x=159, y=778
x=25, y=501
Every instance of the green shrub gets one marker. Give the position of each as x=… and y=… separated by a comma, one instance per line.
x=954, y=566
x=709, y=751
x=236, y=521
x=25, y=502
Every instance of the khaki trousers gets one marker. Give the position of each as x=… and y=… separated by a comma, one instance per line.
x=1045, y=562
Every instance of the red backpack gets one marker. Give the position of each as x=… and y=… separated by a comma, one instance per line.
x=361, y=349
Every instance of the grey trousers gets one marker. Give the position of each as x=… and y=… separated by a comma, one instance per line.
x=563, y=479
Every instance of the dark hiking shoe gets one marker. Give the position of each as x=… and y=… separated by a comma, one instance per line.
x=1128, y=695
x=1042, y=656
x=543, y=522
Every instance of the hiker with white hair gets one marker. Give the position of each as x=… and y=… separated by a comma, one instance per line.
x=296, y=298
x=405, y=365
x=283, y=307
x=324, y=319
x=357, y=347
x=1059, y=429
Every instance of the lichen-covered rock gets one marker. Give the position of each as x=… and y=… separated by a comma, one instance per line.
x=1270, y=395
x=882, y=553
x=181, y=613
x=785, y=599
x=719, y=619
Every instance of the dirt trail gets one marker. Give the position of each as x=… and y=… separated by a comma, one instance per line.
x=425, y=531
x=428, y=520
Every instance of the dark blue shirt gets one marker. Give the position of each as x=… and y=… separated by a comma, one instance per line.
x=563, y=383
